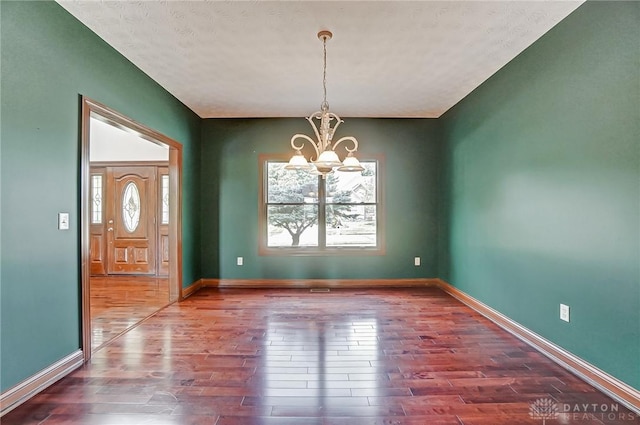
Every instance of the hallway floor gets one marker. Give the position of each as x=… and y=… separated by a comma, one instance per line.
x=119, y=303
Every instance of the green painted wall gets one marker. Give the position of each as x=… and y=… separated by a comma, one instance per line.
x=542, y=193
x=49, y=59
x=230, y=183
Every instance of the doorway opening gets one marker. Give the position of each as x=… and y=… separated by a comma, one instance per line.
x=130, y=223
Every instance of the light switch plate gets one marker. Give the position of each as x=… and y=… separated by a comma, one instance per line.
x=63, y=221
x=564, y=312
x=416, y=261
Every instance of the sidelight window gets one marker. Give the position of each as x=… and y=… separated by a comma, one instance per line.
x=165, y=199
x=96, y=199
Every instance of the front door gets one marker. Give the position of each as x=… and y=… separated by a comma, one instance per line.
x=131, y=224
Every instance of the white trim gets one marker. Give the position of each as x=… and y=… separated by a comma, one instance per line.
x=615, y=388
x=23, y=391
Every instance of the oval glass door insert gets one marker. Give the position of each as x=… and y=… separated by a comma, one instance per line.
x=131, y=207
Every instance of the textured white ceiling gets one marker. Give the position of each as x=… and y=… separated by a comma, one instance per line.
x=263, y=59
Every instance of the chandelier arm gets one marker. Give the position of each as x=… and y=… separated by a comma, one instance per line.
x=338, y=120
x=316, y=114
x=315, y=130
x=305, y=137
x=345, y=139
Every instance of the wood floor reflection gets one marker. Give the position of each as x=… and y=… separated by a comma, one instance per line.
x=119, y=303
x=292, y=357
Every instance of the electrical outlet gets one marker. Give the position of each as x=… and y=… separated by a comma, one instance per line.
x=564, y=312
x=416, y=261
x=240, y=261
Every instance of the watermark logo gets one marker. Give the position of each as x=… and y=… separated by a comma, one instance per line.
x=549, y=409
x=543, y=408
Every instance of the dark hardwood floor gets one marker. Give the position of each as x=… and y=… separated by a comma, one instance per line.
x=356, y=357
x=119, y=303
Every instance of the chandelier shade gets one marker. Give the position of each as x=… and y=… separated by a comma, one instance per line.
x=351, y=163
x=298, y=162
x=326, y=158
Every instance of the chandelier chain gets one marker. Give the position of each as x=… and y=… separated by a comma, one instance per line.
x=324, y=73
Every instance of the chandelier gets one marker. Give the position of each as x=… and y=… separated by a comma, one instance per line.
x=326, y=159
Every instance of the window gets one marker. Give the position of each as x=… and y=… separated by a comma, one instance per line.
x=303, y=213
x=165, y=199
x=131, y=207
x=96, y=199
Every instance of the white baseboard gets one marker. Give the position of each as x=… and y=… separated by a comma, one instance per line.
x=615, y=388
x=23, y=391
